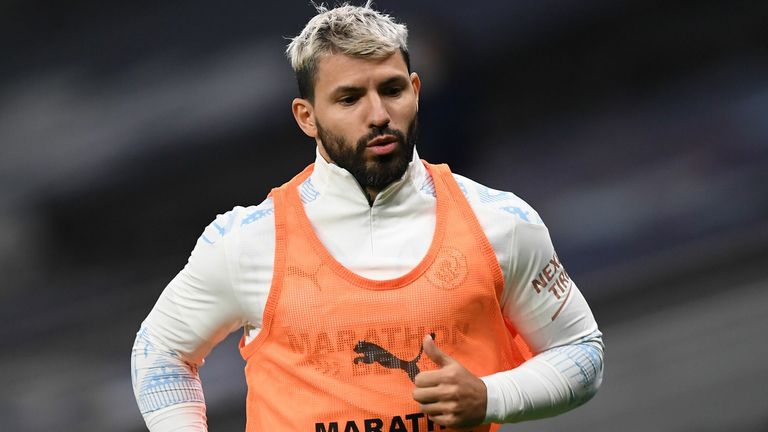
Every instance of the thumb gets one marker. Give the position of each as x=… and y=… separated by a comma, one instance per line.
x=433, y=352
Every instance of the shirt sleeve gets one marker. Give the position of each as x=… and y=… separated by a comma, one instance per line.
x=546, y=308
x=195, y=311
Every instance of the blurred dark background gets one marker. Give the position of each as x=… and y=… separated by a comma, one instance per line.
x=638, y=130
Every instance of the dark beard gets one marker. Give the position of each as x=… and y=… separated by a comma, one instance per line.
x=382, y=170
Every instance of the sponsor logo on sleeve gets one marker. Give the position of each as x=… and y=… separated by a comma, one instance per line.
x=554, y=280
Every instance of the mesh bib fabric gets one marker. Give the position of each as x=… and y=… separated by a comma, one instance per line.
x=338, y=352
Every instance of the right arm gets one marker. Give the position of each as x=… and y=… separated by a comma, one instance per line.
x=195, y=312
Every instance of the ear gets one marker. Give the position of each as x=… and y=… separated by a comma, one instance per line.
x=416, y=83
x=304, y=113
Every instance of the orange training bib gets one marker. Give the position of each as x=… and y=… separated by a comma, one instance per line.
x=339, y=352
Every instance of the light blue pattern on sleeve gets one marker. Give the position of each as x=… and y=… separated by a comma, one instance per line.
x=218, y=228
x=168, y=383
x=524, y=214
x=261, y=211
x=463, y=189
x=224, y=224
x=223, y=230
x=581, y=363
x=488, y=195
x=160, y=378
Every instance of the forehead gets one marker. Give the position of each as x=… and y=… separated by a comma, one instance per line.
x=334, y=70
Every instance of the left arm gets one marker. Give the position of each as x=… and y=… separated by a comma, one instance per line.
x=550, y=313
x=552, y=316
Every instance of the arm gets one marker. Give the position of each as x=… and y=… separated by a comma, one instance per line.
x=197, y=310
x=550, y=313
x=167, y=388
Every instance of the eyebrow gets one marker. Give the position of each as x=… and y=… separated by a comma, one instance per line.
x=395, y=80
x=345, y=89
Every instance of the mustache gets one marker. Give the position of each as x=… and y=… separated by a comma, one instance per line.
x=377, y=132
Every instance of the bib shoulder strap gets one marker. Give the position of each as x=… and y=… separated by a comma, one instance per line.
x=280, y=197
x=442, y=173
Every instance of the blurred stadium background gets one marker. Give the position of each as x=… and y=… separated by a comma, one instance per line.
x=638, y=129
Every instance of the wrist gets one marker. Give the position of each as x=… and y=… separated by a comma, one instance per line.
x=494, y=400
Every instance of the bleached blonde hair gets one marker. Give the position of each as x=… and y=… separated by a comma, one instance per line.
x=358, y=31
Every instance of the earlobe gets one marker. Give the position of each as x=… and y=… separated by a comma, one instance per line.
x=303, y=113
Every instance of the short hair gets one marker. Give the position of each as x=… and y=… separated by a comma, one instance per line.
x=357, y=31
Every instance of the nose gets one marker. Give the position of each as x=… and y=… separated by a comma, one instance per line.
x=379, y=115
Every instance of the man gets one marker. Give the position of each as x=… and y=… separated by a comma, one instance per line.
x=376, y=292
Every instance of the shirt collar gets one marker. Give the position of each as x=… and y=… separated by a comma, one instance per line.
x=330, y=179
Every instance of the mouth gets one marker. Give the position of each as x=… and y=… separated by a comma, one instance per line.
x=383, y=144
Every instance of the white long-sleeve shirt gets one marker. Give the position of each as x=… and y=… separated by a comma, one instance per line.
x=231, y=267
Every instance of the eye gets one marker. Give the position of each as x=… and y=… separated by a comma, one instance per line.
x=393, y=91
x=347, y=100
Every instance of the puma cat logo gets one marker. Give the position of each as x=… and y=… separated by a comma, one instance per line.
x=374, y=353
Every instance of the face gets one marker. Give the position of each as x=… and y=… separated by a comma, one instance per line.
x=363, y=116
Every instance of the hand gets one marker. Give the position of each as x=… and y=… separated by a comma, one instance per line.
x=451, y=396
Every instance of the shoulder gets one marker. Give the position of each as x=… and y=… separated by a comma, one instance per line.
x=499, y=204
x=251, y=221
x=240, y=221
x=513, y=227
